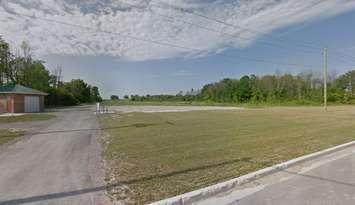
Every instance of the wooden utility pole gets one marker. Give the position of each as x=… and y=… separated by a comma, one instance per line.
x=325, y=76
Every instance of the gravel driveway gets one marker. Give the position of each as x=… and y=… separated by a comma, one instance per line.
x=60, y=164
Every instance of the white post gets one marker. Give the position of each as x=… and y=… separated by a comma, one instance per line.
x=97, y=108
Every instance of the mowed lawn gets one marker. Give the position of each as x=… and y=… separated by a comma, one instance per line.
x=26, y=118
x=159, y=155
x=8, y=135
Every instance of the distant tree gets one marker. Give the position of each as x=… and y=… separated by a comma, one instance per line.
x=114, y=97
x=126, y=97
x=95, y=94
x=56, y=77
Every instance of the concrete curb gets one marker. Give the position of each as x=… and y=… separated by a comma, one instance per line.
x=197, y=195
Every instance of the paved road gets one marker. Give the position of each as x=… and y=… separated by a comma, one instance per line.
x=60, y=165
x=330, y=180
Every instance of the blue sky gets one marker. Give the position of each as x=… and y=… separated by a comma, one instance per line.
x=140, y=69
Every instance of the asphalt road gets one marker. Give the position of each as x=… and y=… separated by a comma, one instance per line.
x=328, y=180
x=332, y=183
x=60, y=164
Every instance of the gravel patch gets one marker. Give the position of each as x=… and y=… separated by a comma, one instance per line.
x=154, y=109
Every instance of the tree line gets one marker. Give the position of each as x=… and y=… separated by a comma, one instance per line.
x=21, y=68
x=304, y=88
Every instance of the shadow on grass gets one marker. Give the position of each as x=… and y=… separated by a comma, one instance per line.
x=119, y=183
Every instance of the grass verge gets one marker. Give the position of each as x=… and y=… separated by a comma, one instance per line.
x=159, y=155
x=26, y=118
x=9, y=135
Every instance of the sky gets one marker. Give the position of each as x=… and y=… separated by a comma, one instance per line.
x=159, y=46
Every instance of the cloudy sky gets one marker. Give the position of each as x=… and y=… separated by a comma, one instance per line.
x=164, y=46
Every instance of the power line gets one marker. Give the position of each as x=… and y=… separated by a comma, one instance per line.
x=104, y=31
x=171, y=19
x=344, y=56
x=160, y=43
x=310, y=45
x=272, y=62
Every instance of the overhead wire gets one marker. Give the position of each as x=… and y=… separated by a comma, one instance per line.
x=161, y=43
x=160, y=4
x=308, y=44
x=263, y=42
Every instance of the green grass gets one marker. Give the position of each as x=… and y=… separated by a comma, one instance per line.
x=26, y=118
x=159, y=155
x=7, y=135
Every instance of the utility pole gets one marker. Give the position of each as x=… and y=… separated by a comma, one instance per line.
x=325, y=76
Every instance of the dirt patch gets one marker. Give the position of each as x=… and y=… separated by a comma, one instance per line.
x=119, y=194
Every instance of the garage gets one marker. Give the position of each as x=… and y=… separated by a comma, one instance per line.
x=32, y=104
x=21, y=99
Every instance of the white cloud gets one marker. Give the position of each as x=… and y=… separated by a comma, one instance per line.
x=141, y=21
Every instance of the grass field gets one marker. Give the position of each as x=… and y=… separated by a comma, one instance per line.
x=7, y=135
x=159, y=155
x=26, y=118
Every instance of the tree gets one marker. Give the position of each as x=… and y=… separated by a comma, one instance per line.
x=56, y=77
x=5, y=59
x=79, y=89
x=114, y=97
x=244, y=89
x=95, y=94
x=60, y=97
x=24, y=70
x=35, y=76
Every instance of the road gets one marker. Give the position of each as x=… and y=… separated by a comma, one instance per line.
x=59, y=164
x=327, y=180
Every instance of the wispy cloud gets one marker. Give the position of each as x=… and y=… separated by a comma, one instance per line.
x=141, y=21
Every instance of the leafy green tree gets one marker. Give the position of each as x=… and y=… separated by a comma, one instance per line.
x=35, y=76
x=114, y=97
x=24, y=70
x=95, y=94
x=60, y=97
x=244, y=89
x=79, y=89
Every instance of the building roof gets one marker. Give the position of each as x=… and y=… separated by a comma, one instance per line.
x=19, y=89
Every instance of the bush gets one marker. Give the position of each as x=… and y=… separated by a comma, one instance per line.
x=60, y=97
